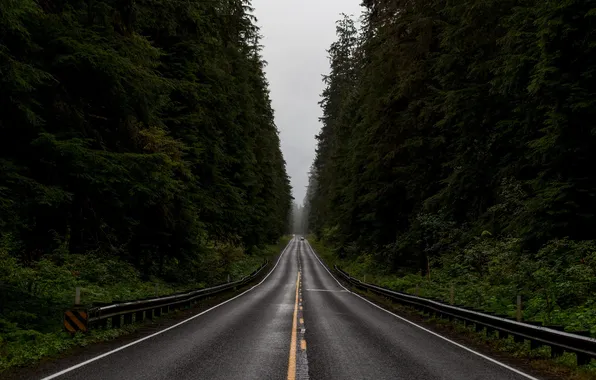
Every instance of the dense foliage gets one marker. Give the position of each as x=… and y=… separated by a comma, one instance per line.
x=138, y=155
x=31, y=312
x=136, y=129
x=459, y=135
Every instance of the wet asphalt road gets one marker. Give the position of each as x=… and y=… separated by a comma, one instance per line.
x=250, y=336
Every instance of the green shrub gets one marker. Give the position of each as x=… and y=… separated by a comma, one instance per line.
x=557, y=284
x=34, y=298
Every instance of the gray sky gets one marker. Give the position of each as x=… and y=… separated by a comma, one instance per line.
x=296, y=35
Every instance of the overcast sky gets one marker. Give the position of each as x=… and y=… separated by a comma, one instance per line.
x=296, y=35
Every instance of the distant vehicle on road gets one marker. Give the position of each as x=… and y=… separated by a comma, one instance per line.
x=301, y=237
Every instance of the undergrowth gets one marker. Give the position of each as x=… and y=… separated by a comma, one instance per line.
x=554, y=293
x=563, y=300
x=34, y=298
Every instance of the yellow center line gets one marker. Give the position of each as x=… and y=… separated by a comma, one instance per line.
x=292, y=359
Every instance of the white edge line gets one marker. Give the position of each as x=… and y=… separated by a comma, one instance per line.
x=423, y=328
x=57, y=374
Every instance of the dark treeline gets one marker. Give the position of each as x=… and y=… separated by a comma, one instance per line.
x=137, y=129
x=448, y=124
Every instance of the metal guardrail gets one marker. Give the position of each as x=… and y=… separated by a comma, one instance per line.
x=559, y=341
x=136, y=311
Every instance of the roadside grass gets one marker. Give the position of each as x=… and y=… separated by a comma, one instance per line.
x=539, y=358
x=563, y=367
x=28, y=335
x=548, y=297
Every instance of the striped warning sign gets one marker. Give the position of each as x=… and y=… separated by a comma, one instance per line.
x=75, y=320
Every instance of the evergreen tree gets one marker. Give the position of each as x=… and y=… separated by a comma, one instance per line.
x=446, y=120
x=141, y=129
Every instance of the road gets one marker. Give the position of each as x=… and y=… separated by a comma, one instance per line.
x=299, y=323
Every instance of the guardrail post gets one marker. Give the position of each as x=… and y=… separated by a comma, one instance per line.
x=102, y=323
x=583, y=359
x=116, y=321
x=128, y=319
x=157, y=311
x=139, y=316
x=556, y=352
